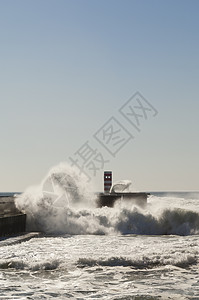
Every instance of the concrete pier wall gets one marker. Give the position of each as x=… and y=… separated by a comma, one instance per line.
x=110, y=199
x=12, y=221
x=14, y=224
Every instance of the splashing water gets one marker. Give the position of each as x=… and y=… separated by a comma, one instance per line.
x=64, y=203
x=56, y=205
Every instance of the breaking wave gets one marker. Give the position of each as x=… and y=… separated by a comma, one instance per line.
x=140, y=263
x=65, y=204
x=169, y=221
x=21, y=265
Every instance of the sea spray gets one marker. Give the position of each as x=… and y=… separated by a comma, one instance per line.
x=60, y=204
x=64, y=203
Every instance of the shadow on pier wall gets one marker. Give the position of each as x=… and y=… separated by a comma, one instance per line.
x=12, y=221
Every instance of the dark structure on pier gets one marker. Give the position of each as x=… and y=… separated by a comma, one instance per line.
x=110, y=195
x=109, y=200
x=12, y=221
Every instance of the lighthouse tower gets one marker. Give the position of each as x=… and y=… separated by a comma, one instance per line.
x=107, y=181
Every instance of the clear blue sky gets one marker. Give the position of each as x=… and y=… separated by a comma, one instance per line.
x=66, y=67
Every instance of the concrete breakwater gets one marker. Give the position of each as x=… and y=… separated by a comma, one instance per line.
x=109, y=199
x=12, y=221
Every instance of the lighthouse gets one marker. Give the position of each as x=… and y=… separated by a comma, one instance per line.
x=107, y=181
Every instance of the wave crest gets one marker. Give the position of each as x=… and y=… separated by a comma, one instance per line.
x=64, y=204
x=139, y=263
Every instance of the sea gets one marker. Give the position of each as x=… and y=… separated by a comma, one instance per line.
x=85, y=252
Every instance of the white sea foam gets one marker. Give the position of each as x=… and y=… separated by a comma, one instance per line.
x=141, y=262
x=105, y=267
x=64, y=203
x=61, y=204
x=27, y=265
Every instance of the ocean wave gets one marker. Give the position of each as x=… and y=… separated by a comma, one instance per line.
x=147, y=297
x=174, y=221
x=64, y=204
x=22, y=265
x=140, y=263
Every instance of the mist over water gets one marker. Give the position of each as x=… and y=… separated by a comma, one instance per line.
x=64, y=203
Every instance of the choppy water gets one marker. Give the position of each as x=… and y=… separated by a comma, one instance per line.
x=101, y=267
x=85, y=252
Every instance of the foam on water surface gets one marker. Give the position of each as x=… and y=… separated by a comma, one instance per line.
x=106, y=266
x=124, y=252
